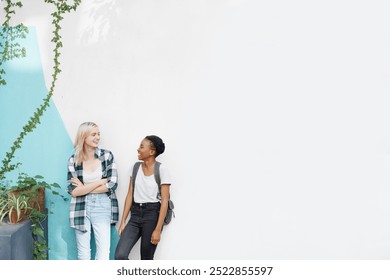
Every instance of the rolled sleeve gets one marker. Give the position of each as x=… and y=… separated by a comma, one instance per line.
x=71, y=174
x=111, y=172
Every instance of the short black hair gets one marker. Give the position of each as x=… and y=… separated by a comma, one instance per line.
x=157, y=144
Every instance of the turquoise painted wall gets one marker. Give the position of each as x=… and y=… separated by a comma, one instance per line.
x=46, y=150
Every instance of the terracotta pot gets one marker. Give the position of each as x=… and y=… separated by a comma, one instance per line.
x=37, y=200
x=13, y=218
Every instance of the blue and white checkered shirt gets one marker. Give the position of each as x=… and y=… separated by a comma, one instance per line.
x=77, y=204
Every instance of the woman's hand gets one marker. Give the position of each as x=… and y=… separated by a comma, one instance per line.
x=121, y=228
x=156, y=236
x=76, y=182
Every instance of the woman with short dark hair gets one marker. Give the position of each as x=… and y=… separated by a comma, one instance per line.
x=147, y=202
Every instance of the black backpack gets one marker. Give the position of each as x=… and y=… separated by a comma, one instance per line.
x=171, y=206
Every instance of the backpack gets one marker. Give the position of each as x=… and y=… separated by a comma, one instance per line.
x=171, y=206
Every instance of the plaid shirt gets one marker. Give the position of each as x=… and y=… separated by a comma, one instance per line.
x=78, y=211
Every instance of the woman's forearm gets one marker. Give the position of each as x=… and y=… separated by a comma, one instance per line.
x=163, y=207
x=82, y=189
x=163, y=212
x=100, y=189
x=126, y=208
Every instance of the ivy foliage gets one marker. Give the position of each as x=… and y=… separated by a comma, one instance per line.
x=10, y=50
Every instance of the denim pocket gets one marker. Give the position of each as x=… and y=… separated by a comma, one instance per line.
x=151, y=214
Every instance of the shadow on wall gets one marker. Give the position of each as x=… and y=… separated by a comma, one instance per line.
x=98, y=20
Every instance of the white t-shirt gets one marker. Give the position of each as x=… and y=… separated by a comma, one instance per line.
x=90, y=177
x=146, y=188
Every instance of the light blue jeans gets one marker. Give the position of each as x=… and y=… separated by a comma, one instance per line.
x=98, y=219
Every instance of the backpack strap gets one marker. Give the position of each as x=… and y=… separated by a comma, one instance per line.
x=157, y=178
x=134, y=175
x=156, y=172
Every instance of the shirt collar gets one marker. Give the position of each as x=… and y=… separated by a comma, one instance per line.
x=97, y=152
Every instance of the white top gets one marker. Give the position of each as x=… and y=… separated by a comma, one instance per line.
x=146, y=188
x=90, y=177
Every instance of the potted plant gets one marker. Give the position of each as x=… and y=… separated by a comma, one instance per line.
x=33, y=187
x=28, y=190
x=3, y=208
x=16, y=240
x=18, y=205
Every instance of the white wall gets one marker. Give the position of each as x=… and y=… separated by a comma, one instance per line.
x=274, y=113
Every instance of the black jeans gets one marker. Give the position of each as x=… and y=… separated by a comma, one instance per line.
x=143, y=221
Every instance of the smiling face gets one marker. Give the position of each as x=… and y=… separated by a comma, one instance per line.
x=93, y=138
x=145, y=150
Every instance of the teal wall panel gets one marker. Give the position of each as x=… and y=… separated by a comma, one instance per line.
x=46, y=150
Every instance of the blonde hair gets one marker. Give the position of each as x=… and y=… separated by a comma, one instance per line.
x=82, y=133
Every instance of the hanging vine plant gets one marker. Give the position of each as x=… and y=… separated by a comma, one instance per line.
x=11, y=48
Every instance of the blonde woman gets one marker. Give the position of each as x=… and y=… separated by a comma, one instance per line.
x=92, y=177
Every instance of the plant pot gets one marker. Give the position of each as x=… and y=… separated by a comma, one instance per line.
x=37, y=200
x=13, y=217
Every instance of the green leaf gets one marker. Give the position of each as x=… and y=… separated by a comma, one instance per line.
x=39, y=232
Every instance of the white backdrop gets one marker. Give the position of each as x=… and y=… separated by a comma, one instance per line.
x=274, y=113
